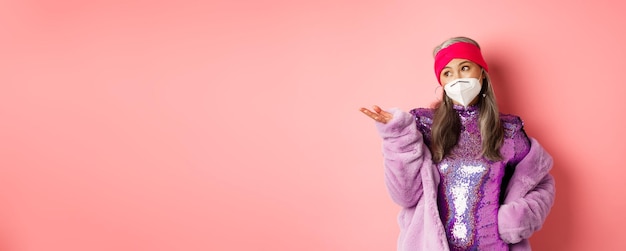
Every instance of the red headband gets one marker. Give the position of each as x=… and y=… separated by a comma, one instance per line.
x=462, y=50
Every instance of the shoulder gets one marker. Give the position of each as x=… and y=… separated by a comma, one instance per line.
x=424, y=121
x=423, y=116
x=511, y=121
x=423, y=112
x=512, y=124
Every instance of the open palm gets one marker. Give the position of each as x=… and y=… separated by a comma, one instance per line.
x=378, y=114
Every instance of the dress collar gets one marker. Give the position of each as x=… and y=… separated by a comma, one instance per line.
x=471, y=108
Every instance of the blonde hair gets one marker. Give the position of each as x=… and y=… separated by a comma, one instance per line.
x=446, y=125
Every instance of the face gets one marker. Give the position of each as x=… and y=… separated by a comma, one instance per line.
x=460, y=68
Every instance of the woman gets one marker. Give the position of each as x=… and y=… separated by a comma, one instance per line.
x=466, y=176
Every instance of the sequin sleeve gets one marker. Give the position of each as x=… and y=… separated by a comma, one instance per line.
x=405, y=156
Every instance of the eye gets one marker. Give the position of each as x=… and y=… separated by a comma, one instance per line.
x=446, y=74
x=465, y=68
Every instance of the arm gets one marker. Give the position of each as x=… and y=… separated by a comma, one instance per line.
x=404, y=157
x=530, y=196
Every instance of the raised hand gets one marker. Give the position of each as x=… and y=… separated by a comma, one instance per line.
x=378, y=114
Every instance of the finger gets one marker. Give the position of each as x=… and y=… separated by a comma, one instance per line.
x=377, y=109
x=383, y=113
x=366, y=111
x=369, y=113
x=374, y=116
x=386, y=114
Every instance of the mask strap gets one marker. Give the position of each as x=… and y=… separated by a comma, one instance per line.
x=483, y=78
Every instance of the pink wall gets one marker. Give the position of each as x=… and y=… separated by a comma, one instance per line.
x=135, y=125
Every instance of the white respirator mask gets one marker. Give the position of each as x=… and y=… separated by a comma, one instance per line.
x=463, y=90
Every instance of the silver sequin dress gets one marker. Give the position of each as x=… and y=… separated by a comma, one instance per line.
x=470, y=186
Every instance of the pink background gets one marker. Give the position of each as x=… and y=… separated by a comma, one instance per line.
x=192, y=125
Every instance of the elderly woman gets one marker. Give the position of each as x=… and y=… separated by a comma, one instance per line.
x=466, y=176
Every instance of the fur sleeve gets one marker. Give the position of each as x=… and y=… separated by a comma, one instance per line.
x=404, y=157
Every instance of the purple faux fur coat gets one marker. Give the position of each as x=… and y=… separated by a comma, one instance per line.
x=412, y=180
